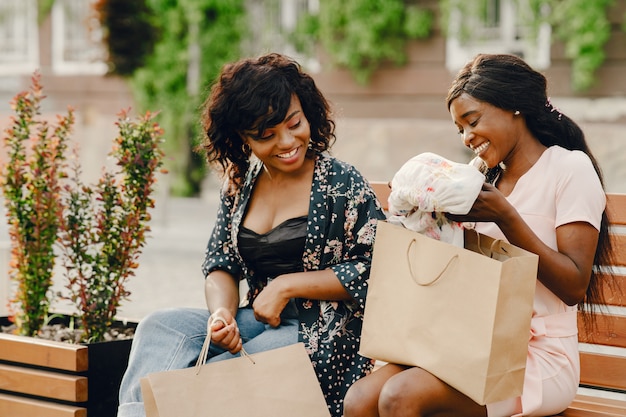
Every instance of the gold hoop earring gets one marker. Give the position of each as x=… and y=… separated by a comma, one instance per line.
x=245, y=148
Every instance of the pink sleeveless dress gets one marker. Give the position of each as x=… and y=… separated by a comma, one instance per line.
x=562, y=187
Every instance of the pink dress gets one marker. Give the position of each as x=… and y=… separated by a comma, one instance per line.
x=562, y=187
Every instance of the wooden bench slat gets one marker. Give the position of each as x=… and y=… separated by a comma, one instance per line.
x=43, y=383
x=616, y=207
x=33, y=351
x=609, y=331
x=616, y=296
x=25, y=407
x=588, y=406
x=619, y=248
x=603, y=370
x=382, y=191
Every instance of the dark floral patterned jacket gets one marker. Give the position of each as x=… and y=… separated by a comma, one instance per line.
x=340, y=235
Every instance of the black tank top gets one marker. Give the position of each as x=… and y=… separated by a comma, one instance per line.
x=277, y=252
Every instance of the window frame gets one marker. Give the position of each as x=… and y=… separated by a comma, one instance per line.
x=60, y=44
x=21, y=22
x=511, y=36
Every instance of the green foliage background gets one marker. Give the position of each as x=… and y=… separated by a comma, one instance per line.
x=359, y=35
x=362, y=35
x=192, y=40
x=582, y=25
x=164, y=83
x=122, y=21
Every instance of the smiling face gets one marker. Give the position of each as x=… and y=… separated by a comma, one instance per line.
x=282, y=148
x=491, y=133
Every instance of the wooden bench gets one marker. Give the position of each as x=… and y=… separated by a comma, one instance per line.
x=45, y=378
x=42, y=377
x=602, y=390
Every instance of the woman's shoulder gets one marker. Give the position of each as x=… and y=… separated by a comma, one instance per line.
x=574, y=170
x=566, y=162
x=339, y=167
x=562, y=156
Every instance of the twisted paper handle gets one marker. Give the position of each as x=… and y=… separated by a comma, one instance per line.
x=496, y=246
x=415, y=277
x=207, y=343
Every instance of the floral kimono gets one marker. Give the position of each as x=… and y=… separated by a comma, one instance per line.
x=342, y=219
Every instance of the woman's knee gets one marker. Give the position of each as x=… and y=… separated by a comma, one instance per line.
x=394, y=398
x=407, y=393
x=172, y=320
x=416, y=393
x=154, y=318
x=360, y=400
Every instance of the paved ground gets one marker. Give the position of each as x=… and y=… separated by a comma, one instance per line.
x=169, y=273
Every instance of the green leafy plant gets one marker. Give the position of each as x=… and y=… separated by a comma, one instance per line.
x=100, y=230
x=196, y=37
x=43, y=8
x=129, y=33
x=361, y=35
x=31, y=184
x=471, y=11
x=584, y=28
x=104, y=228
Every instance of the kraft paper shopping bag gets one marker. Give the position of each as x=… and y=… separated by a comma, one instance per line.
x=275, y=383
x=463, y=314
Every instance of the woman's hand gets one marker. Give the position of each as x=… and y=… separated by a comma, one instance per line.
x=489, y=206
x=222, y=299
x=564, y=271
x=314, y=285
x=270, y=303
x=225, y=332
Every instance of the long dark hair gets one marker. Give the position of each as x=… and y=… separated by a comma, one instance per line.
x=509, y=83
x=254, y=94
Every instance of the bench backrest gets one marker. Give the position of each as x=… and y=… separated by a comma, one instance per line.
x=603, y=354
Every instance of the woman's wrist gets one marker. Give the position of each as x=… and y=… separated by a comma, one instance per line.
x=284, y=286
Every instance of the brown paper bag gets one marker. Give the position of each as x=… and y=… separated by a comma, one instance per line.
x=463, y=314
x=275, y=383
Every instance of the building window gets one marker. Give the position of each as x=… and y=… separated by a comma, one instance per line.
x=19, y=33
x=77, y=46
x=500, y=27
x=273, y=22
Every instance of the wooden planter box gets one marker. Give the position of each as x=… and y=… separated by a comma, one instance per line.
x=42, y=378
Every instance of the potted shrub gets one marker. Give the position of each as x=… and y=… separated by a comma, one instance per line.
x=31, y=183
x=95, y=232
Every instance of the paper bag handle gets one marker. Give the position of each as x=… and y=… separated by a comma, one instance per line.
x=496, y=244
x=415, y=278
x=495, y=247
x=207, y=343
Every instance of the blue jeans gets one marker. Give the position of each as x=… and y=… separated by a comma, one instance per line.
x=172, y=339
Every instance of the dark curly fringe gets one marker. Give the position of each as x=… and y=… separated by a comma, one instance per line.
x=252, y=95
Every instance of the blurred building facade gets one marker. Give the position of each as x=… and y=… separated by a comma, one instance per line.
x=418, y=88
x=65, y=45
x=399, y=113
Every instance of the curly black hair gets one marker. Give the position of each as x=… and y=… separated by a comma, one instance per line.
x=254, y=94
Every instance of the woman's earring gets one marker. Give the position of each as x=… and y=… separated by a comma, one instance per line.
x=245, y=148
x=516, y=113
